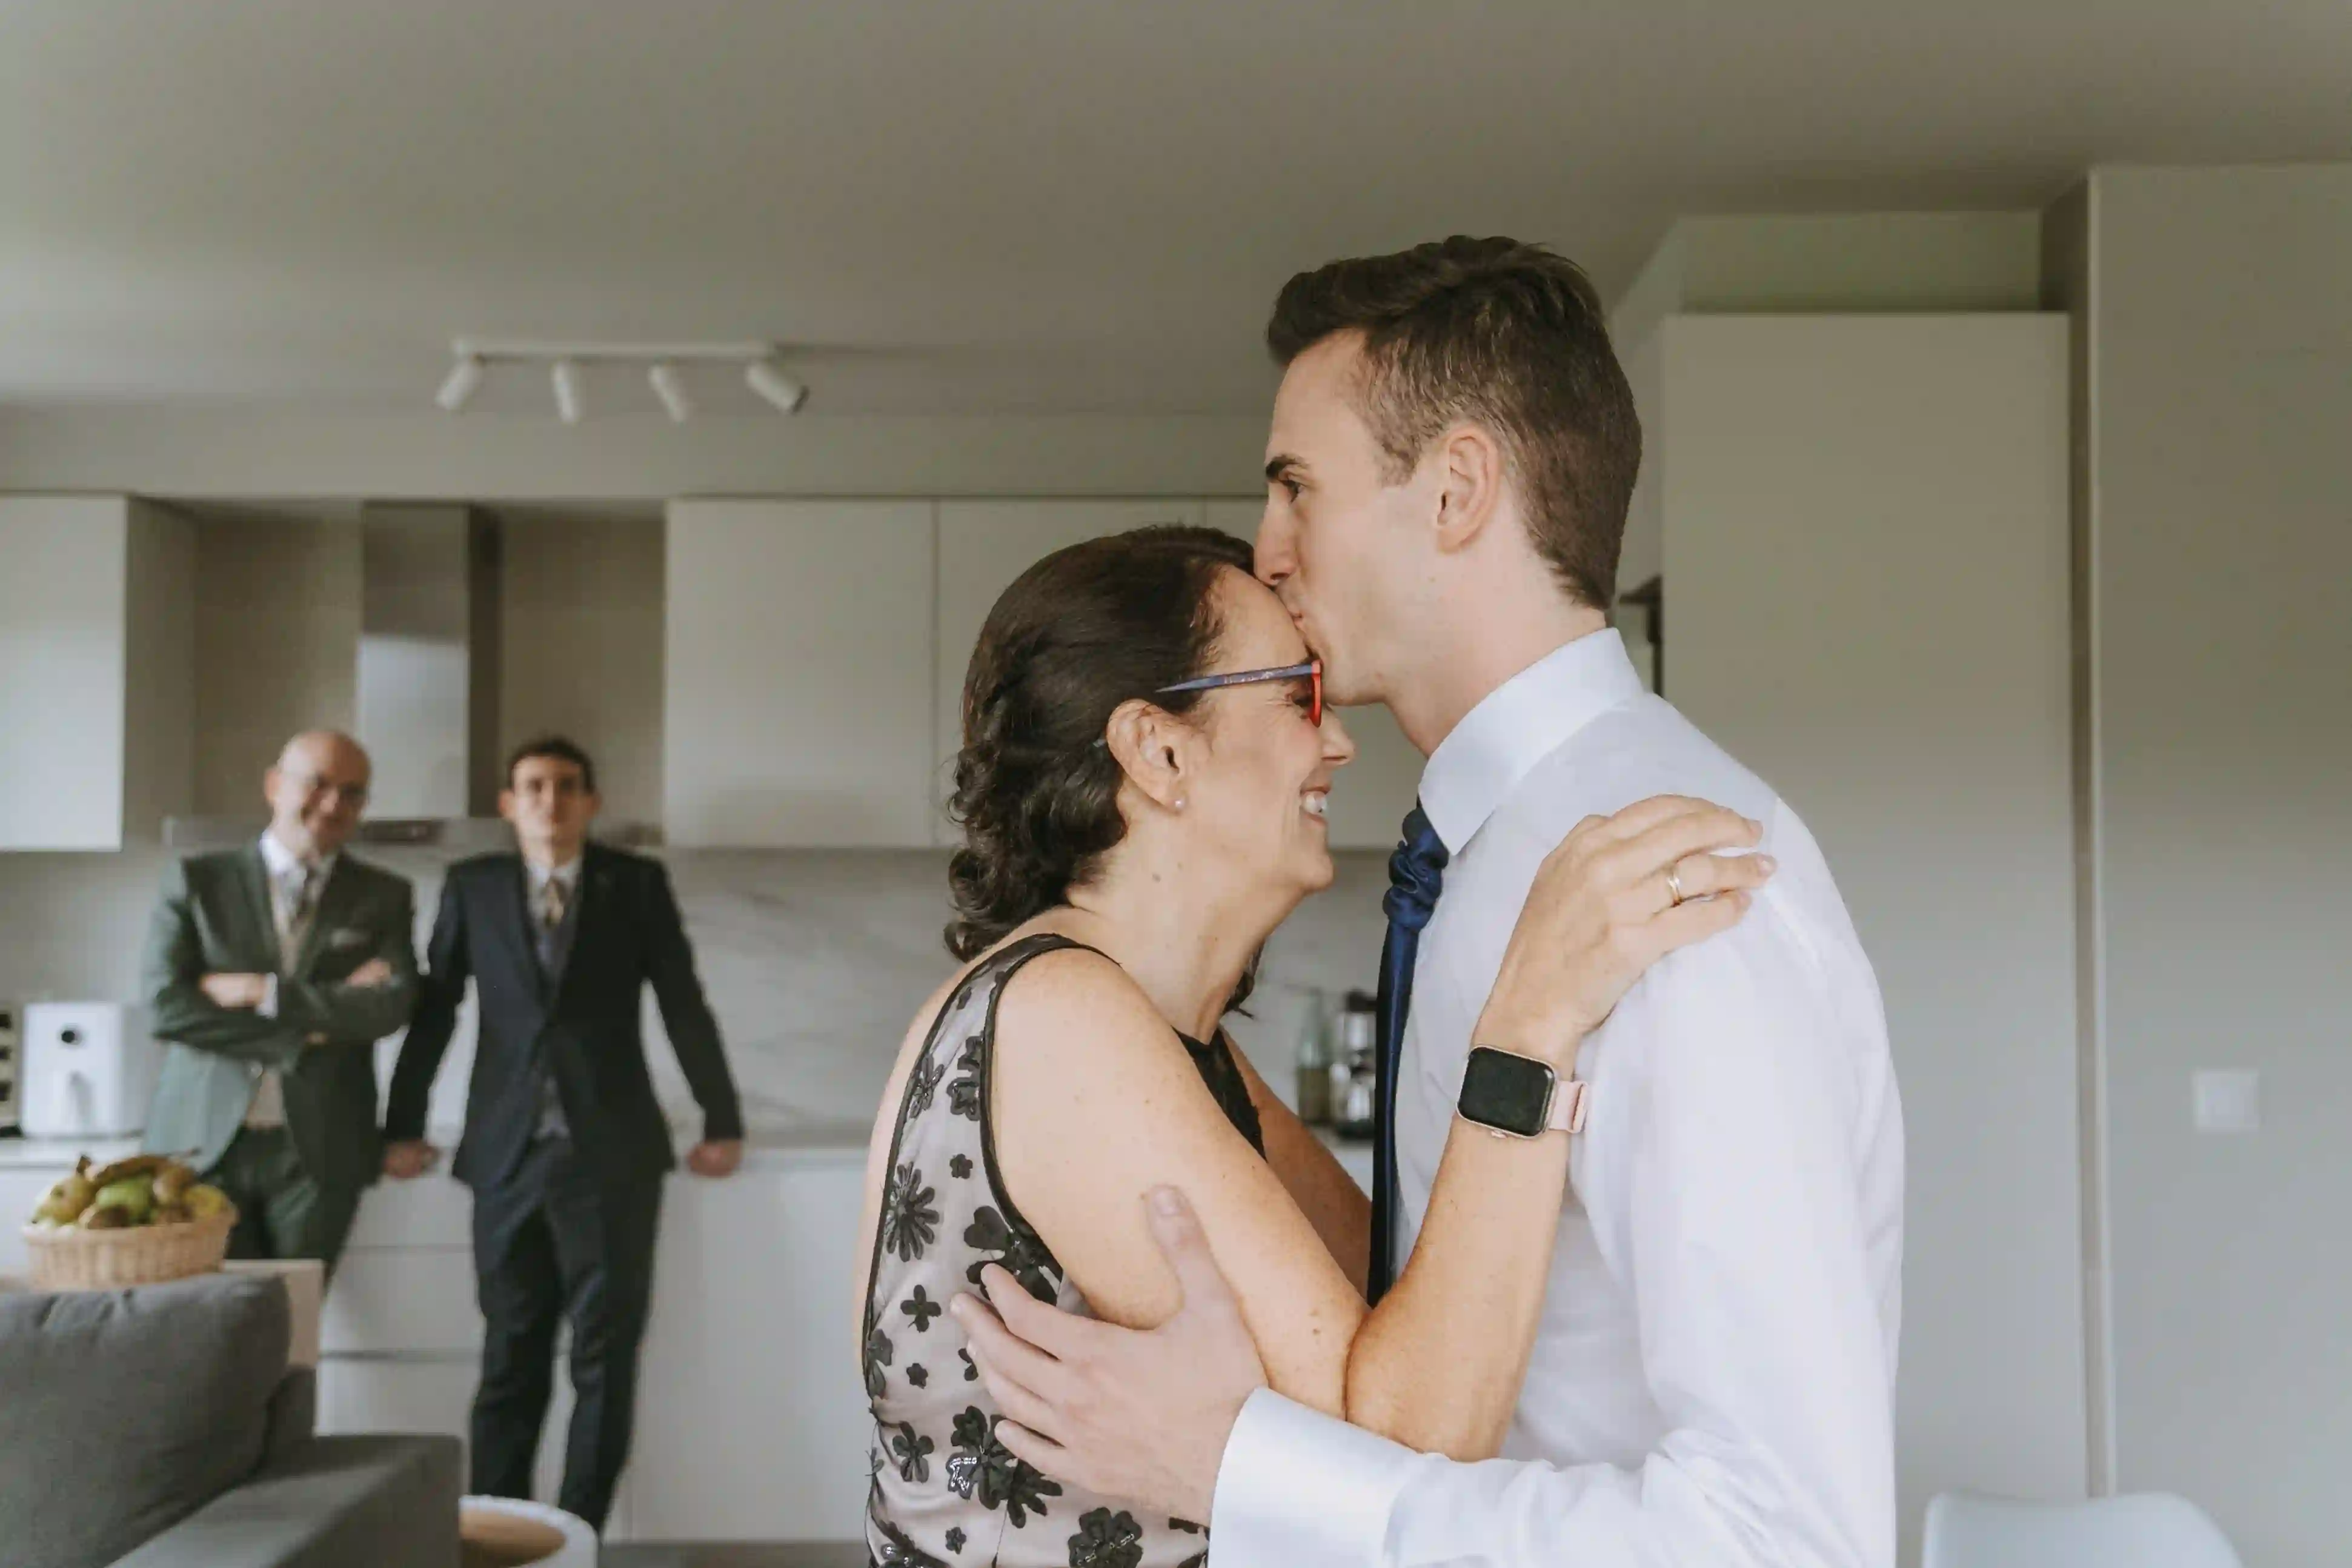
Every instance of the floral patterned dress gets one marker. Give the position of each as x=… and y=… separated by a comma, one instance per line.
x=945, y=1491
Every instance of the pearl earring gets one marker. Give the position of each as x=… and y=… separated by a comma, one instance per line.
x=1180, y=803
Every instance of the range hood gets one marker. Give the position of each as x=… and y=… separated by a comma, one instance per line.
x=426, y=689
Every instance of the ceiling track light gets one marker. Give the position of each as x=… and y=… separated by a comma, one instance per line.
x=570, y=400
x=465, y=379
x=763, y=371
x=671, y=389
x=767, y=378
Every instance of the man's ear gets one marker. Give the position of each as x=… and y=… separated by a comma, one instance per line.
x=1469, y=463
x=1149, y=744
x=507, y=804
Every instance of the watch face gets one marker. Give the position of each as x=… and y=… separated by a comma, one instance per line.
x=1507, y=1092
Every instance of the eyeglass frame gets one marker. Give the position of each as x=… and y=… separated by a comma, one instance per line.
x=1311, y=670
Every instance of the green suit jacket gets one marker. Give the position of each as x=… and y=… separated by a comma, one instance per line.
x=213, y=917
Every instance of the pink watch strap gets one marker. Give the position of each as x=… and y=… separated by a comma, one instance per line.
x=1571, y=1099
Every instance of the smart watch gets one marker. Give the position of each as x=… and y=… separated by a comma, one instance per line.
x=1514, y=1096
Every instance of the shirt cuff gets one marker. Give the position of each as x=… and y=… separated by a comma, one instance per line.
x=268, y=1008
x=1299, y=1489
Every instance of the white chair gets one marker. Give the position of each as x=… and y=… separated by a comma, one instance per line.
x=2152, y=1529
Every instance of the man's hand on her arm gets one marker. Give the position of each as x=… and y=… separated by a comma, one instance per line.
x=375, y=972
x=235, y=991
x=1126, y=1413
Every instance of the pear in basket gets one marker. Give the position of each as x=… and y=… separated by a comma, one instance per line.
x=65, y=1201
x=205, y=1201
x=134, y=1195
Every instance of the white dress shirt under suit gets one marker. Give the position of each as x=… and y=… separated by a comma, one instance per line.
x=1713, y=1375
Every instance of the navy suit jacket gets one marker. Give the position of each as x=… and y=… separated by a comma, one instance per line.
x=582, y=1022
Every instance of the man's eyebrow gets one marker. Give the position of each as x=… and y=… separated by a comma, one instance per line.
x=1283, y=465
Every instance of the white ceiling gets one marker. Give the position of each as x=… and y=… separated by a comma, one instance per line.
x=1064, y=204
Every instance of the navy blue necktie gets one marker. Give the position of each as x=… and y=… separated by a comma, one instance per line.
x=1416, y=876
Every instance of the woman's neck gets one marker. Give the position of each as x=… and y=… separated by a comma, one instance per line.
x=1184, y=937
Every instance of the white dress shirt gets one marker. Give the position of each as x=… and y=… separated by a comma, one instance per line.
x=1713, y=1375
x=285, y=869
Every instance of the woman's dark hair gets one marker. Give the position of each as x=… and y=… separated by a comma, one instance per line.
x=1079, y=633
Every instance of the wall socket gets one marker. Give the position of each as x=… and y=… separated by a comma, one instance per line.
x=2228, y=1102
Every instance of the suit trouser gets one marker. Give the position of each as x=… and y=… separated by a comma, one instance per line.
x=282, y=1211
x=553, y=1242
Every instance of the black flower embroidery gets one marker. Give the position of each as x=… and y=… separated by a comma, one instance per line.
x=1106, y=1540
x=959, y=1167
x=1186, y=1525
x=877, y=1352
x=922, y=1309
x=909, y=1222
x=971, y=1372
x=983, y=1467
x=1023, y=1253
x=1198, y=1559
x=898, y=1552
x=923, y=1083
x=963, y=1089
x=920, y=1375
x=955, y=1540
x=912, y=1450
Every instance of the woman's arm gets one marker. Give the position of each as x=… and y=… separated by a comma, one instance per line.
x=1316, y=1181
x=1096, y=1103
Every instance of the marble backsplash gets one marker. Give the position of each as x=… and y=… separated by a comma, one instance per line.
x=814, y=960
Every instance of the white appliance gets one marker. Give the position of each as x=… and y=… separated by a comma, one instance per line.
x=11, y=1067
x=89, y=1069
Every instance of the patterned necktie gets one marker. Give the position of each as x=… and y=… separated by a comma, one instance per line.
x=1416, y=876
x=294, y=890
x=551, y=920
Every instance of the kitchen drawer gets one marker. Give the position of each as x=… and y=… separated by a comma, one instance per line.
x=432, y=1396
x=402, y=1301
x=431, y=1211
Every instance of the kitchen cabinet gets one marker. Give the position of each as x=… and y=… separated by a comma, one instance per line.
x=797, y=674
x=1373, y=793
x=983, y=546
x=97, y=699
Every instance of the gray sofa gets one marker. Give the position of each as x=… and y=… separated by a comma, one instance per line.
x=159, y=1427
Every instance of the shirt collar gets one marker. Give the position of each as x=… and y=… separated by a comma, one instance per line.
x=282, y=861
x=568, y=874
x=1518, y=724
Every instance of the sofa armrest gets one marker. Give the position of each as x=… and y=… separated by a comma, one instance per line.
x=333, y=1502
x=293, y=1416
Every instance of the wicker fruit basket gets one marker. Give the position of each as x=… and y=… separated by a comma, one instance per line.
x=70, y=1259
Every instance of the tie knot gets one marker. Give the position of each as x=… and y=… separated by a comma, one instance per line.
x=1416, y=873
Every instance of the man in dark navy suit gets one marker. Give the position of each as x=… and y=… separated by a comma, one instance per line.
x=566, y=1146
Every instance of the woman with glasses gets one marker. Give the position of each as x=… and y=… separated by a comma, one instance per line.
x=1142, y=786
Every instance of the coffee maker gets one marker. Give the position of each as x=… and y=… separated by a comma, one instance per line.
x=87, y=1070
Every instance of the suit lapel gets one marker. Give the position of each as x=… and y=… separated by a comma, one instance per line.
x=253, y=879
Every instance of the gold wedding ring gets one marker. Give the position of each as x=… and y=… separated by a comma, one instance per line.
x=1675, y=885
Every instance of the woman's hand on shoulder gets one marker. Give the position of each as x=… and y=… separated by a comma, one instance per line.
x=1617, y=895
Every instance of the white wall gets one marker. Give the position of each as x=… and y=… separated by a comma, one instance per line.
x=1865, y=544
x=2220, y=553
x=227, y=453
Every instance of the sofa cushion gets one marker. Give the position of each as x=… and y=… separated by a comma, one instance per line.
x=123, y=1411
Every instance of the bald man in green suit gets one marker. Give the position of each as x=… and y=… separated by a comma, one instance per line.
x=272, y=970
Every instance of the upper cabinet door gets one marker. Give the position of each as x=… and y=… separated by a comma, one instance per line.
x=1373, y=793
x=96, y=700
x=983, y=546
x=797, y=682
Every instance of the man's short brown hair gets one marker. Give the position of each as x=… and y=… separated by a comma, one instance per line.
x=1506, y=335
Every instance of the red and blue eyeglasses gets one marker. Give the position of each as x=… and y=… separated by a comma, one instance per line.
x=1311, y=672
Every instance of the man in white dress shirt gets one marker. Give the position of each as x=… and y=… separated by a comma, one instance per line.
x=1711, y=1380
